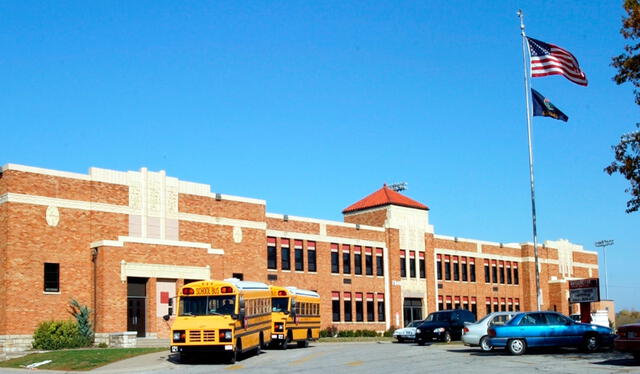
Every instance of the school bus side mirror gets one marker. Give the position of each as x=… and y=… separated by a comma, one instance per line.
x=166, y=317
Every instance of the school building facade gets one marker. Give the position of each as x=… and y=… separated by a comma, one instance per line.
x=123, y=243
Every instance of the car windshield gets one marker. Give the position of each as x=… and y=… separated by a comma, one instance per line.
x=484, y=318
x=280, y=304
x=414, y=324
x=512, y=321
x=207, y=305
x=438, y=317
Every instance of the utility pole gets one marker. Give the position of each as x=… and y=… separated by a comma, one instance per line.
x=604, y=244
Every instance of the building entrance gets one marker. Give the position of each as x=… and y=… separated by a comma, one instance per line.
x=412, y=309
x=136, y=305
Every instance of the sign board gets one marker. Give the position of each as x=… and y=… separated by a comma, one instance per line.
x=584, y=290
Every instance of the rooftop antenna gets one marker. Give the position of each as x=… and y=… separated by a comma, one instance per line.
x=401, y=186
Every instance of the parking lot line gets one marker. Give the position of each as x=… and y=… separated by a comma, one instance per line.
x=307, y=358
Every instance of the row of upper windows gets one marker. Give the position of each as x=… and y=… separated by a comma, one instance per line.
x=414, y=262
x=464, y=269
x=285, y=254
x=343, y=302
x=357, y=259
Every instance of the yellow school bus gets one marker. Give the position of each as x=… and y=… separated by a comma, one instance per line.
x=295, y=315
x=222, y=317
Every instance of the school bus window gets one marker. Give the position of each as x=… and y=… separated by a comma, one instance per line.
x=206, y=305
x=280, y=304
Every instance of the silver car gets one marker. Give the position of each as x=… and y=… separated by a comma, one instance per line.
x=475, y=334
x=407, y=333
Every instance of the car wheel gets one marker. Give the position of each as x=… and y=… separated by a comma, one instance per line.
x=591, y=343
x=400, y=340
x=446, y=338
x=303, y=344
x=233, y=357
x=484, y=344
x=284, y=344
x=636, y=356
x=420, y=342
x=516, y=346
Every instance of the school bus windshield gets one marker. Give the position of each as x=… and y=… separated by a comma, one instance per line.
x=207, y=305
x=280, y=304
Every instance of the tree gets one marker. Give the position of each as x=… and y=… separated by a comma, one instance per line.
x=82, y=314
x=627, y=152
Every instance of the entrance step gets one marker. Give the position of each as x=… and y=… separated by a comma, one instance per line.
x=152, y=342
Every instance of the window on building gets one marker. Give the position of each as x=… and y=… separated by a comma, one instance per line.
x=494, y=273
x=368, y=261
x=238, y=276
x=412, y=264
x=335, y=306
x=403, y=264
x=379, y=262
x=51, y=277
x=347, y=308
x=285, y=255
x=503, y=307
x=311, y=256
x=487, y=273
x=357, y=260
x=464, y=270
x=515, y=273
x=335, y=265
x=488, y=307
x=439, y=267
x=370, y=310
x=509, y=273
x=440, y=304
x=474, y=310
x=495, y=305
x=359, y=308
x=517, y=306
x=423, y=268
x=299, y=256
x=501, y=273
x=449, y=303
x=272, y=254
x=381, y=316
x=346, y=259
x=472, y=270
x=456, y=270
x=447, y=268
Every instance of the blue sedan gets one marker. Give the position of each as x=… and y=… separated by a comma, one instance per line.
x=548, y=329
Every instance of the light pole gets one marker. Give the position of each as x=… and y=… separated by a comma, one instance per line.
x=604, y=244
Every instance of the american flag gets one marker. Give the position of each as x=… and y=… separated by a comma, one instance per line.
x=549, y=59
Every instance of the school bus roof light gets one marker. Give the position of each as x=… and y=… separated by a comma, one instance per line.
x=188, y=291
x=226, y=289
x=282, y=293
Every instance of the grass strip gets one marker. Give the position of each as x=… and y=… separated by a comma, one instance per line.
x=78, y=359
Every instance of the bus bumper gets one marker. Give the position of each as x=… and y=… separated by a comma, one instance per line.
x=201, y=348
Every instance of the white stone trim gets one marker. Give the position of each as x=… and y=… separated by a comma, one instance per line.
x=508, y=258
x=123, y=177
x=137, y=269
x=176, y=243
x=122, y=209
x=326, y=222
x=480, y=242
x=51, y=172
x=325, y=238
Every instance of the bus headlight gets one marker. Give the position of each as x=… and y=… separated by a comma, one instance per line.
x=225, y=335
x=178, y=336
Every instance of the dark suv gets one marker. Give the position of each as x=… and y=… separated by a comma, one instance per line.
x=444, y=325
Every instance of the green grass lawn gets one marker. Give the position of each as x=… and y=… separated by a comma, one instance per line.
x=78, y=359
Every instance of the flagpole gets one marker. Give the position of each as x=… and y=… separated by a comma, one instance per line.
x=533, y=195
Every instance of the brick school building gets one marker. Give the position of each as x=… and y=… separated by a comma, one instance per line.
x=122, y=243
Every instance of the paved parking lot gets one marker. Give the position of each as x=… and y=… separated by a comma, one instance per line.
x=334, y=358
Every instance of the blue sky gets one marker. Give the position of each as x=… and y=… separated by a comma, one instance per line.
x=314, y=105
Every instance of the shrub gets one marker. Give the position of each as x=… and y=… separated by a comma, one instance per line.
x=329, y=332
x=389, y=332
x=82, y=314
x=51, y=335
